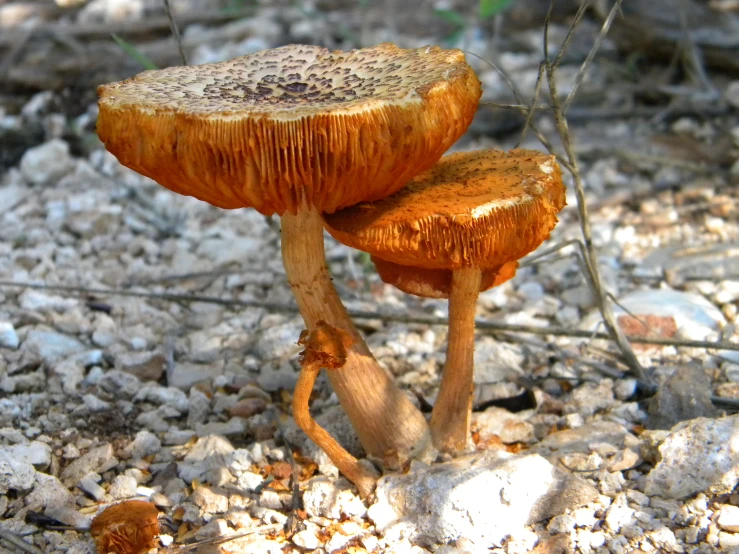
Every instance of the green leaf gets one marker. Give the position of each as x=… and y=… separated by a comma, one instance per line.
x=489, y=8
x=131, y=50
x=450, y=16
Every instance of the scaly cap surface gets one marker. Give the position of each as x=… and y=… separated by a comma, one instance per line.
x=472, y=209
x=130, y=527
x=291, y=125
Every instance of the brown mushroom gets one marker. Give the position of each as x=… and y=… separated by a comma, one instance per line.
x=454, y=230
x=297, y=131
x=130, y=527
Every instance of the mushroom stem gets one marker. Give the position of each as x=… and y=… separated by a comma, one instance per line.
x=450, y=418
x=389, y=426
x=345, y=462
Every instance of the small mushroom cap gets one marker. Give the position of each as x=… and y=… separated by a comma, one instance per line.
x=130, y=527
x=436, y=283
x=291, y=125
x=472, y=209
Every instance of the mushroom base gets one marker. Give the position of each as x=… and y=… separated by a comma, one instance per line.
x=390, y=428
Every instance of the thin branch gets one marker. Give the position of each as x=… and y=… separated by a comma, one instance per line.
x=175, y=31
x=422, y=319
x=539, y=135
x=588, y=60
x=591, y=257
x=221, y=540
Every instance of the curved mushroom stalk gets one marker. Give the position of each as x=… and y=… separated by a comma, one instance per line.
x=389, y=426
x=326, y=346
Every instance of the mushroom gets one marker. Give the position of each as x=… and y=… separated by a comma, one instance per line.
x=297, y=131
x=453, y=231
x=129, y=527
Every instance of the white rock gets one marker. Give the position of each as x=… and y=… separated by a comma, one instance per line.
x=496, y=361
x=52, y=346
x=728, y=518
x=37, y=301
x=508, y=426
x=697, y=455
x=15, y=473
x=481, y=497
x=619, y=514
x=279, y=341
x=306, y=539
x=144, y=444
x=95, y=404
x=184, y=375
x=71, y=372
x=123, y=486
x=98, y=459
x=47, y=163
x=207, y=452
x=159, y=395
x=234, y=427
x=8, y=336
x=36, y=453
x=89, y=484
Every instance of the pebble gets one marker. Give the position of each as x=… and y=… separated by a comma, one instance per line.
x=47, y=163
x=89, y=484
x=146, y=366
x=16, y=473
x=306, y=539
x=8, y=336
x=144, y=444
x=99, y=459
x=51, y=346
x=728, y=518
x=212, y=500
x=685, y=395
x=699, y=455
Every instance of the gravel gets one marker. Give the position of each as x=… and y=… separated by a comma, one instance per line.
x=106, y=397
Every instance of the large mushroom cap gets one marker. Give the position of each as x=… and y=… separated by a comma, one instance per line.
x=297, y=124
x=473, y=209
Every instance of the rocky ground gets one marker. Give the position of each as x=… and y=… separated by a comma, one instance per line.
x=184, y=401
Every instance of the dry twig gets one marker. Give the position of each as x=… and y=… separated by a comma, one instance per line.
x=175, y=31
x=590, y=255
x=422, y=319
x=18, y=542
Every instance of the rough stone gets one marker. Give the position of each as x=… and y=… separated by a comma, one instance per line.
x=51, y=346
x=144, y=444
x=96, y=460
x=211, y=500
x=728, y=519
x=123, y=486
x=46, y=163
x=482, y=497
x=8, y=336
x=16, y=473
x=509, y=427
x=698, y=455
x=685, y=395
x=147, y=366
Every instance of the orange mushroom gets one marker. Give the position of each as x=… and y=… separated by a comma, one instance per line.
x=453, y=231
x=130, y=527
x=297, y=131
